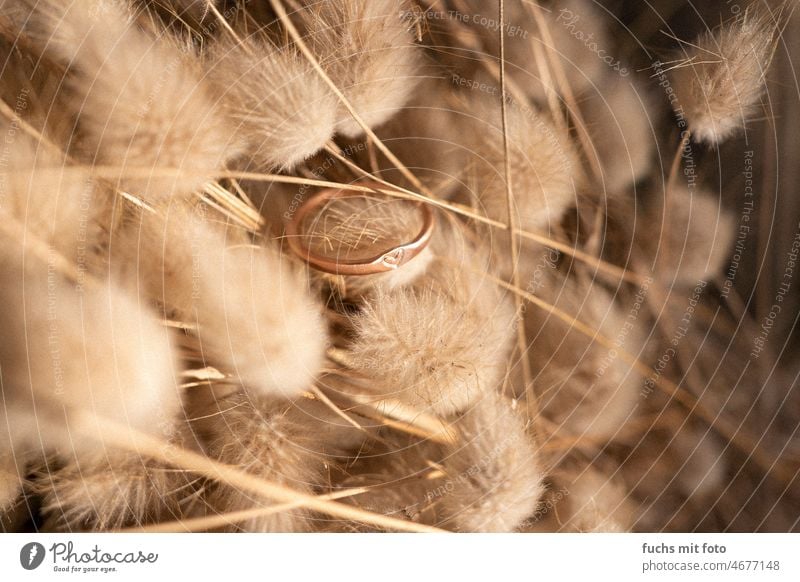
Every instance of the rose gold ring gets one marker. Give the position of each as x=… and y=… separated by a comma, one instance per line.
x=388, y=260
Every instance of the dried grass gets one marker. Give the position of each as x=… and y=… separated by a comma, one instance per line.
x=139, y=206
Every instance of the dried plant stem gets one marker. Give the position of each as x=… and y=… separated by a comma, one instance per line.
x=403, y=418
x=390, y=190
x=655, y=301
x=557, y=113
x=226, y=201
x=39, y=136
x=594, y=241
x=668, y=187
x=213, y=203
x=613, y=272
x=676, y=162
x=28, y=128
x=635, y=428
x=225, y=519
x=569, y=96
x=392, y=414
x=513, y=227
x=373, y=156
x=16, y=231
x=126, y=438
x=243, y=212
x=766, y=223
x=211, y=7
x=738, y=308
x=319, y=394
x=243, y=195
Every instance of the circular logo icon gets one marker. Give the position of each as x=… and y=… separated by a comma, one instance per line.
x=31, y=555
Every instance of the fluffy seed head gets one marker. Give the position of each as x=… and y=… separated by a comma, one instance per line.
x=584, y=499
x=575, y=27
x=274, y=98
x=542, y=163
x=440, y=344
x=403, y=479
x=112, y=489
x=141, y=102
x=367, y=49
x=584, y=388
x=91, y=350
x=60, y=204
x=703, y=463
x=722, y=79
x=10, y=480
x=692, y=465
x=618, y=116
x=427, y=135
x=699, y=237
x=359, y=228
x=494, y=472
x=254, y=315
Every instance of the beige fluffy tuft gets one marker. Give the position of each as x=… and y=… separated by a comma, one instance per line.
x=367, y=49
x=60, y=204
x=427, y=135
x=543, y=164
x=571, y=24
x=438, y=345
x=618, y=117
x=91, y=350
x=584, y=389
x=112, y=489
x=274, y=98
x=254, y=315
x=584, y=499
x=403, y=478
x=722, y=79
x=703, y=469
x=699, y=237
x=140, y=98
x=10, y=481
x=292, y=444
x=190, y=11
x=494, y=474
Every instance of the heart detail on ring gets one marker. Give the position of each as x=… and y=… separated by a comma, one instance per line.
x=394, y=258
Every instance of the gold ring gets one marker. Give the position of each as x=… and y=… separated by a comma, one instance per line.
x=388, y=260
